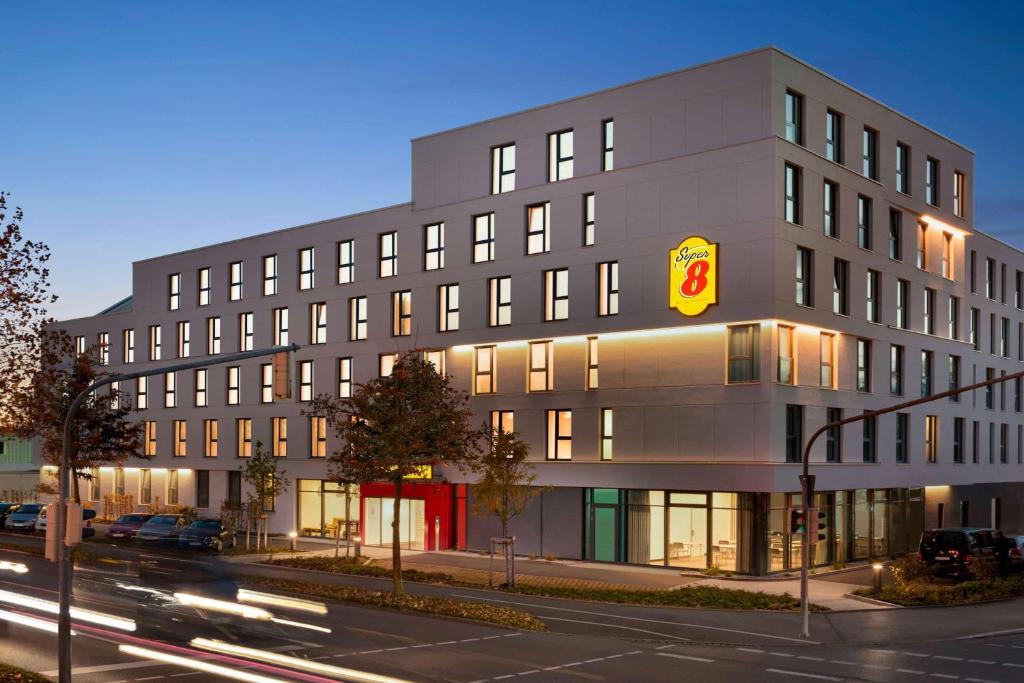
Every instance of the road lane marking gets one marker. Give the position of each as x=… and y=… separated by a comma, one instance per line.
x=811, y=659
x=751, y=649
x=842, y=661
x=980, y=680
x=686, y=657
x=914, y=654
x=952, y=659
x=1019, y=666
x=786, y=672
x=911, y=671
x=627, y=628
x=980, y=661
x=102, y=668
x=988, y=634
x=949, y=676
x=782, y=654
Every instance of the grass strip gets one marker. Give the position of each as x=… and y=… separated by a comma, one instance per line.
x=920, y=593
x=12, y=674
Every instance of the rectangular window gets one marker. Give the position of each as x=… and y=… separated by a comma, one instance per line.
x=484, y=359
x=922, y=246
x=902, y=304
x=180, y=438
x=79, y=345
x=958, y=440
x=990, y=278
x=827, y=365
x=307, y=261
x=794, y=433
x=947, y=256
x=895, y=234
x=436, y=358
x=592, y=363
x=608, y=145
x=953, y=324
x=270, y=275
x=834, y=436
x=1018, y=292
x=974, y=272
x=170, y=390
x=902, y=436
x=929, y=310
x=245, y=332
x=243, y=437
x=203, y=277
x=902, y=168
x=235, y=290
x=1004, y=337
x=213, y=336
x=608, y=288
x=959, y=193
x=538, y=228
x=433, y=246
x=872, y=297
x=990, y=394
x=103, y=348
x=954, y=377
x=927, y=373
x=870, y=154
x=559, y=435
x=345, y=378
x=357, y=318
x=280, y=327
x=787, y=360
x=804, y=276
x=202, y=488
x=792, y=194
x=834, y=136
x=184, y=335
x=1017, y=387
x=401, y=313
x=346, y=262
x=306, y=380
x=1003, y=439
x=499, y=301
x=556, y=294
x=541, y=368
x=448, y=308
x=318, y=323
x=279, y=436
x=503, y=421
x=840, y=287
x=830, y=209
x=210, y=438
x=199, y=380
x=794, y=117
x=992, y=333
x=744, y=353
x=588, y=219
x=864, y=365
x=128, y=346
x=560, y=156
x=387, y=254
x=503, y=168
x=931, y=181
x=266, y=383
x=870, y=439
x=973, y=328
x=174, y=291
x=896, y=369
x=483, y=238
x=975, y=441
x=607, y=432
x=142, y=393
x=146, y=486
x=864, y=209
x=150, y=438
x=233, y=384
x=317, y=436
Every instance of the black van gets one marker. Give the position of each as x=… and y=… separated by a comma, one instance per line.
x=952, y=550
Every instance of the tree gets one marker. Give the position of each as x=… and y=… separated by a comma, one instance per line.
x=394, y=427
x=506, y=483
x=102, y=433
x=266, y=480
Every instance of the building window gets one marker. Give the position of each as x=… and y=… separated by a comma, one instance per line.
x=592, y=363
x=834, y=436
x=1003, y=438
x=787, y=364
x=142, y=393
x=990, y=278
x=556, y=294
x=827, y=366
x=895, y=234
x=953, y=324
x=202, y=489
x=184, y=335
x=560, y=156
x=318, y=323
x=243, y=437
x=306, y=380
x=990, y=394
x=180, y=438
x=386, y=364
x=972, y=330
x=607, y=432
x=387, y=256
x=145, y=486
x=870, y=439
x=926, y=373
x=128, y=346
x=872, y=297
x=280, y=327
x=503, y=168
x=792, y=194
x=174, y=292
x=346, y=262
x=502, y=421
x=1017, y=387
x=830, y=209
x=245, y=332
x=307, y=258
x=433, y=246
x=499, y=301
x=794, y=433
x=974, y=272
x=484, y=359
x=902, y=304
x=902, y=435
x=954, y=377
x=929, y=310
x=870, y=154
x=864, y=365
x=992, y=333
x=840, y=287
x=448, y=308
x=79, y=345
x=804, y=276
x=922, y=246
x=588, y=219
x=279, y=436
x=864, y=209
x=794, y=117
x=235, y=271
x=1018, y=294
x=266, y=383
x=103, y=348
x=317, y=436
x=401, y=313
x=902, y=168
x=1002, y=283
x=538, y=228
x=270, y=275
x=834, y=136
x=540, y=366
x=608, y=145
x=959, y=193
x=483, y=238
x=210, y=438
x=559, y=435
x=200, y=388
x=744, y=353
x=931, y=181
x=436, y=358
x=233, y=385
x=357, y=318
x=608, y=288
x=213, y=336
x=1004, y=337
x=344, y=377
x=896, y=369
x=947, y=256
x=170, y=390
x=150, y=438
x=975, y=441
x=203, y=277
x=958, y=440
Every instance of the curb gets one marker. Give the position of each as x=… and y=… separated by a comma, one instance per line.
x=872, y=601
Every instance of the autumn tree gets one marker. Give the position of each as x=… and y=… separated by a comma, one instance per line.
x=262, y=472
x=394, y=427
x=506, y=483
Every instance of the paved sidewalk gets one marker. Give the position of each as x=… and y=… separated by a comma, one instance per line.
x=831, y=594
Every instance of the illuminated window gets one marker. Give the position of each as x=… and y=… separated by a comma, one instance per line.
x=357, y=318
x=401, y=313
x=344, y=377
x=145, y=486
x=559, y=435
x=485, y=360
x=245, y=332
x=318, y=323
x=170, y=390
x=306, y=380
x=592, y=363
x=787, y=364
x=499, y=301
x=436, y=358
x=184, y=334
x=235, y=290
x=210, y=438
x=142, y=393
x=947, y=256
x=279, y=436
x=794, y=128
x=433, y=246
x=317, y=436
x=270, y=275
x=233, y=386
x=174, y=292
x=607, y=427
x=243, y=437
x=346, y=262
x=79, y=345
x=503, y=168
x=180, y=438
x=172, y=487
x=541, y=368
x=608, y=288
x=922, y=246
x=119, y=481
x=834, y=136
x=588, y=219
x=744, y=353
x=150, y=438
x=538, y=228
x=266, y=383
x=103, y=348
x=556, y=294
x=483, y=238
x=827, y=366
x=902, y=168
x=447, y=308
x=387, y=254
x=204, y=286
x=307, y=260
x=502, y=421
x=128, y=346
x=608, y=145
x=959, y=193
x=931, y=439
x=200, y=388
x=560, y=156
x=386, y=363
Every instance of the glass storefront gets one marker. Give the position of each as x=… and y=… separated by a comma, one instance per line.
x=322, y=509
x=380, y=513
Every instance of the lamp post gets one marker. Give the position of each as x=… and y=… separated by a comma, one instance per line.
x=807, y=480
x=877, y=566
x=64, y=566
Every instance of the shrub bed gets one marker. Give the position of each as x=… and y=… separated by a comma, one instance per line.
x=355, y=567
x=12, y=674
x=918, y=593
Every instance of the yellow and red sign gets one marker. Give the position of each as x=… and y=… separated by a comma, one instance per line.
x=693, y=276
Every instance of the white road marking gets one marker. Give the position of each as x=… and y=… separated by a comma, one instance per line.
x=1019, y=666
x=949, y=676
x=811, y=659
x=911, y=671
x=952, y=659
x=981, y=661
x=820, y=677
x=149, y=678
x=106, y=667
x=782, y=654
x=980, y=680
x=750, y=649
x=686, y=657
x=915, y=654
x=987, y=634
x=627, y=628
x=842, y=661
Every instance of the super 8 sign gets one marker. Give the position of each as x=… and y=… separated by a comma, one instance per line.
x=693, y=279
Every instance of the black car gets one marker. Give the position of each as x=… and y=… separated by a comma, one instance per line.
x=207, y=534
x=6, y=509
x=952, y=551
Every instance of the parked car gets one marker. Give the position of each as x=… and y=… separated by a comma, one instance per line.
x=1016, y=551
x=127, y=526
x=87, y=517
x=205, y=534
x=5, y=510
x=161, y=529
x=952, y=550
x=24, y=518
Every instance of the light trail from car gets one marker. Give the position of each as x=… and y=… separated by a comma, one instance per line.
x=50, y=607
x=255, y=597
x=214, y=605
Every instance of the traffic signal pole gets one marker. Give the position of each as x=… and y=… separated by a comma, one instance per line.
x=807, y=480
x=64, y=566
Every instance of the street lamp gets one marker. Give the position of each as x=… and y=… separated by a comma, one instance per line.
x=293, y=536
x=877, y=566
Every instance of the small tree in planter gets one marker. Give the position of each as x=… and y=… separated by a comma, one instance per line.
x=266, y=480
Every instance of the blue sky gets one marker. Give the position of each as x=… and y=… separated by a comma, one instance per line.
x=137, y=129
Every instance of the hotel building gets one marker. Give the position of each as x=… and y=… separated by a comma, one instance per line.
x=547, y=263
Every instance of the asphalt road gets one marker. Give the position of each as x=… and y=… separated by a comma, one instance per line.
x=589, y=641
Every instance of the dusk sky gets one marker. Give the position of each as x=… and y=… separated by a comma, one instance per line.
x=137, y=129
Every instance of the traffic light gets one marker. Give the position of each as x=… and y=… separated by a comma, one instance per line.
x=822, y=523
x=797, y=522
x=282, y=375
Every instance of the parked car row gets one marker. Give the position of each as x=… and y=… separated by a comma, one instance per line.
x=953, y=551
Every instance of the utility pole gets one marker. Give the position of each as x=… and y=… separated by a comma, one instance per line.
x=64, y=566
x=807, y=480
